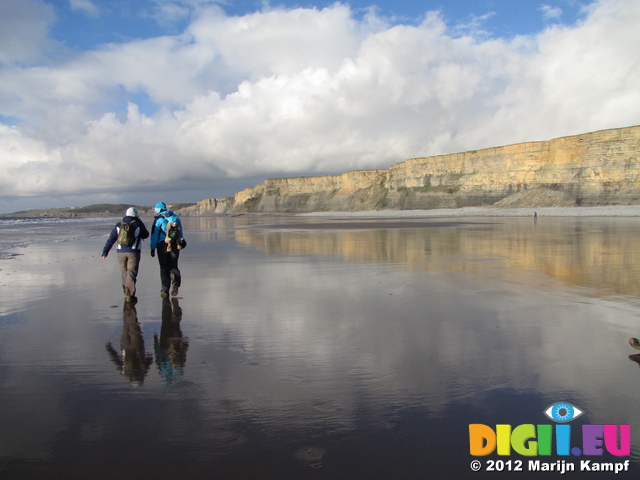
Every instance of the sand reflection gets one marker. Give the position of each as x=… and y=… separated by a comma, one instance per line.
x=600, y=254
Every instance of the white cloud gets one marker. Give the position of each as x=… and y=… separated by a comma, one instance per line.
x=171, y=12
x=85, y=6
x=551, y=13
x=306, y=91
x=24, y=27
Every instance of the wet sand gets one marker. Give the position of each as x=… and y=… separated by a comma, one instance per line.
x=306, y=347
x=471, y=212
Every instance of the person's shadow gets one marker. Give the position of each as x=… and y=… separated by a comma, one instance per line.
x=132, y=360
x=171, y=345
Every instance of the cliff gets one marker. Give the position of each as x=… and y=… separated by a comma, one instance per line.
x=598, y=168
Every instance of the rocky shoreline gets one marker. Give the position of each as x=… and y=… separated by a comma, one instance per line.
x=114, y=211
x=559, y=177
x=588, y=170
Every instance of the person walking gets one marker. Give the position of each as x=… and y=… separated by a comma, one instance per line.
x=167, y=240
x=127, y=235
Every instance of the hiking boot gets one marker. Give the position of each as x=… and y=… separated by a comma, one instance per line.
x=174, y=283
x=635, y=343
x=164, y=294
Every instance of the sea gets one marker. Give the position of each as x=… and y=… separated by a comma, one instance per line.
x=20, y=232
x=330, y=347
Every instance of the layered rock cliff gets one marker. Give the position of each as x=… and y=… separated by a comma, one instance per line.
x=599, y=168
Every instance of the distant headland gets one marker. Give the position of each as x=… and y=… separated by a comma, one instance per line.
x=96, y=210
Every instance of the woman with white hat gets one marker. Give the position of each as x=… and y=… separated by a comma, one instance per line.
x=127, y=235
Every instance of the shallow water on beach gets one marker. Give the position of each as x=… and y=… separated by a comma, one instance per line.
x=315, y=347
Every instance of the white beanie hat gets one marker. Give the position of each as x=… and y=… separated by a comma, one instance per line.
x=131, y=212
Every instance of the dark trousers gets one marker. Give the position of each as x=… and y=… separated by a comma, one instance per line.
x=168, y=266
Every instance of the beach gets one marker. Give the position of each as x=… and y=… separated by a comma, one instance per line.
x=338, y=346
x=599, y=211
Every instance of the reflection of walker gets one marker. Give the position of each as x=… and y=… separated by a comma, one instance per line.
x=132, y=359
x=171, y=345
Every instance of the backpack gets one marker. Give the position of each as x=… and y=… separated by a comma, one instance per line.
x=164, y=215
x=126, y=235
x=172, y=230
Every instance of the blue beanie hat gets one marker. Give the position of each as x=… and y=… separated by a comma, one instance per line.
x=161, y=207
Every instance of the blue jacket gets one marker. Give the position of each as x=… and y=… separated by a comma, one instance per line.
x=159, y=228
x=140, y=233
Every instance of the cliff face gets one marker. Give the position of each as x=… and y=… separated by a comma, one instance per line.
x=599, y=168
x=209, y=206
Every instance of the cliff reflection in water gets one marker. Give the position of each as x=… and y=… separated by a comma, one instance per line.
x=427, y=311
x=599, y=254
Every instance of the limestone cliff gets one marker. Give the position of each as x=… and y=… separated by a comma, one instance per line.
x=599, y=168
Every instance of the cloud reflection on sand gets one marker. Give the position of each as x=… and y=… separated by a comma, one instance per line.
x=482, y=307
x=305, y=338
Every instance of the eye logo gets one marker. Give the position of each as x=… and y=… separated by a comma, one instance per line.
x=562, y=412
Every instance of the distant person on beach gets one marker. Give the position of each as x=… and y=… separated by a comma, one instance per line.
x=167, y=240
x=127, y=235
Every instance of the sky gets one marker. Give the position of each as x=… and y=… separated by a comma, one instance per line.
x=113, y=101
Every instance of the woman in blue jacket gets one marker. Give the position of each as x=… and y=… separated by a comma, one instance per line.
x=166, y=243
